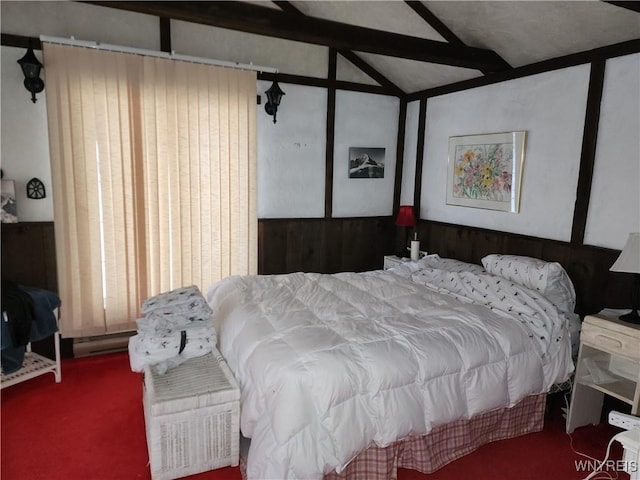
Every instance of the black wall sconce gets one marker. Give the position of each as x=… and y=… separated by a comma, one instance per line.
x=274, y=95
x=31, y=67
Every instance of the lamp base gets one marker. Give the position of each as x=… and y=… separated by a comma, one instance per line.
x=631, y=317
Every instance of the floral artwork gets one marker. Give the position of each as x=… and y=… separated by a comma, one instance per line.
x=485, y=171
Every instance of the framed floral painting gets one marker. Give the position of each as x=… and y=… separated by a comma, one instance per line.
x=485, y=171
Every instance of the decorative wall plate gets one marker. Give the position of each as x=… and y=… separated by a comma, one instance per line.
x=35, y=189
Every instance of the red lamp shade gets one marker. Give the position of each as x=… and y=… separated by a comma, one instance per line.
x=405, y=217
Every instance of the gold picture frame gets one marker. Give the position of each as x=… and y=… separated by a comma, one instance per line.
x=485, y=171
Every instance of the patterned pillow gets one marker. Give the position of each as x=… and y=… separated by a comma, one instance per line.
x=548, y=278
x=450, y=264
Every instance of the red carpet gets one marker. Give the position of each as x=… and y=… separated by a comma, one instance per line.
x=91, y=427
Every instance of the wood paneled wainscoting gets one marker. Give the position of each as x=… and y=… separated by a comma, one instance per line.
x=328, y=245
x=324, y=245
x=29, y=254
x=588, y=266
x=29, y=258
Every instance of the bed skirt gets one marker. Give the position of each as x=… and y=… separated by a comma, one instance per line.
x=443, y=444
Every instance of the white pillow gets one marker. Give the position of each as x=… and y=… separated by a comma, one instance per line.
x=450, y=264
x=548, y=278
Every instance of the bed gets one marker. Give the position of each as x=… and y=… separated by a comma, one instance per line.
x=334, y=367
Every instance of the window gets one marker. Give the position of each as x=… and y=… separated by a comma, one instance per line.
x=154, y=180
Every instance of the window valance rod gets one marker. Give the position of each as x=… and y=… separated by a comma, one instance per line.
x=152, y=53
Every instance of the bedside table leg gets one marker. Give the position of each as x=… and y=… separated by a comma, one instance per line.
x=586, y=407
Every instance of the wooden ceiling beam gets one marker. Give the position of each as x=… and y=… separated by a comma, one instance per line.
x=20, y=41
x=258, y=20
x=589, y=56
x=350, y=56
x=356, y=60
x=435, y=23
x=287, y=6
x=633, y=6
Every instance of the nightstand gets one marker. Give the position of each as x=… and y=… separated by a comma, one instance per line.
x=391, y=261
x=608, y=364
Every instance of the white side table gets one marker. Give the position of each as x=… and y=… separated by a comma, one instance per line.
x=630, y=441
x=391, y=261
x=608, y=364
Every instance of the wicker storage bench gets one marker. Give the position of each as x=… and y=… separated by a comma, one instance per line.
x=192, y=417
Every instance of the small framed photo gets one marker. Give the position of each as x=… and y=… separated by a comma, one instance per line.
x=9, y=207
x=366, y=162
x=485, y=171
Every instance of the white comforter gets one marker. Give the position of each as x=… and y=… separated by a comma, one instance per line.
x=329, y=364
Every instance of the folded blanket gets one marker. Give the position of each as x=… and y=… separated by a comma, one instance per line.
x=177, y=325
x=185, y=300
x=170, y=348
x=160, y=324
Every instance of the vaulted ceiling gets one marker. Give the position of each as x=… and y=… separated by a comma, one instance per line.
x=412, y=46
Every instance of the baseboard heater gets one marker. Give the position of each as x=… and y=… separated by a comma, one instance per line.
x=87, y=346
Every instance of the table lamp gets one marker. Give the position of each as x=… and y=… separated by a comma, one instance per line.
x=629, y=262
x=406, y=218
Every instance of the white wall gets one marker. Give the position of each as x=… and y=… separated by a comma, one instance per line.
x=614, y=207
x=364, y=120
x=24, y=153
x=291, y=154
x=551, y=108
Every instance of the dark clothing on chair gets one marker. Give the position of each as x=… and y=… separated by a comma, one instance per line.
x=27, y=316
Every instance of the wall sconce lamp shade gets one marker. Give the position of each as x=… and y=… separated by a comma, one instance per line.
x=629, y=262
x=31, y=67
x=274, y=95
x=406, y=217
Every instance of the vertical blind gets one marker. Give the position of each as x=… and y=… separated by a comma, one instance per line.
x=154, y=180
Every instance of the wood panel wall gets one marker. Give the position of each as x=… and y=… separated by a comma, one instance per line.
x=588, y=266
x=29, y=258
x=324, y=245
x=29, y=254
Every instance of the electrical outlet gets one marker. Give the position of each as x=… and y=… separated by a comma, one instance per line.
x=622, y=420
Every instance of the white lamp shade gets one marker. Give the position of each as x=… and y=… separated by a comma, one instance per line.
x=629, y=259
